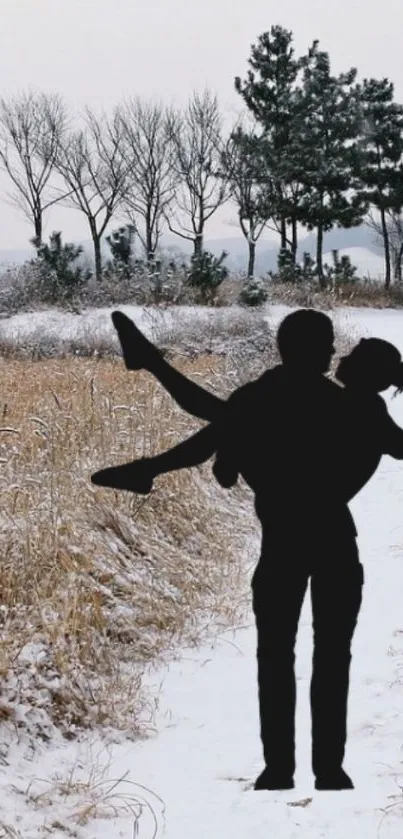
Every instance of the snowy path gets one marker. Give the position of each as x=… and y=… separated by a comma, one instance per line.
x=216, y=734
x=207, y=752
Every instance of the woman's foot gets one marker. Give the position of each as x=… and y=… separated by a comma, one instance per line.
x=134, y=477
x=138, y=351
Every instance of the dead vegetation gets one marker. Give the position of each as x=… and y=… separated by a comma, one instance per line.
x=22, y=290
x=97, y=585
x=362, y=293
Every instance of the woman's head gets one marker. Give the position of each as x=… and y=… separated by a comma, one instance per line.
x=372, y=365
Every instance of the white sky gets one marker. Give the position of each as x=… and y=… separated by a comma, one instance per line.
x=97, y=52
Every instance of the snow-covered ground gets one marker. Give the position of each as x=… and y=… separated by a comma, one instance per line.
x=98, y=321
x=195, y=775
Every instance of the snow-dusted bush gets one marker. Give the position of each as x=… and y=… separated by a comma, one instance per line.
x=206, y=273
x=254, y=292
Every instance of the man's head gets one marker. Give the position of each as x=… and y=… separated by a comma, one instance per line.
x=305, y=340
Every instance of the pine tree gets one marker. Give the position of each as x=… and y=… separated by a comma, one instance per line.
x=269, y=93
x=120, y=243
x=379, y=154
x=329, y=124
x=60, y=277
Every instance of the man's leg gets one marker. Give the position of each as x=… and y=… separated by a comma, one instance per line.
x=278, y=594
x=336, y=599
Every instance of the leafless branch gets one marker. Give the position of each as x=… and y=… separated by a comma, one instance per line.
x=196, y=138
x=244, y=164
x=92, y=163
x=152, y=178
x=32, y=127
x=394, y=224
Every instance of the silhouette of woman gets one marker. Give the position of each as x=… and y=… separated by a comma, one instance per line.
x=373, y=366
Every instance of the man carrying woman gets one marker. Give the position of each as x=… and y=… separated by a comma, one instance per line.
x=305, y=446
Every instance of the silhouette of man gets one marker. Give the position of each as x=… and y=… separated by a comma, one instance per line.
x=286, y=433
x=280, y=430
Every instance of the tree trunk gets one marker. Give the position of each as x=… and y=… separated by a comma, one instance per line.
x=150, y=249
x=294, y=246
x=398, y=267
x=319, y=257
x=198, y=245
x=395, y=262
x=38, y=229
x=385, y=235
x=149, y=238
x=251, y=263
x=283, y=234
x=97, y=254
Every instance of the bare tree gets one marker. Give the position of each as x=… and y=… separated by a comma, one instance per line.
x=92, y=164
x=197, y=140
x=245, y=168
x=393, y=221
x=153, y=178
x=32, y=127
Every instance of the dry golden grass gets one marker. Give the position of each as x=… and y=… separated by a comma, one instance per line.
x=94, y=584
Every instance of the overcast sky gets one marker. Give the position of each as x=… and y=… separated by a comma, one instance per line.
x=97, y=52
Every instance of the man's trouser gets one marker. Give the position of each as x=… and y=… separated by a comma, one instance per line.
x=278, y=587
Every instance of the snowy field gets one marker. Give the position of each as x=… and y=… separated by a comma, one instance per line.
x=193, y=778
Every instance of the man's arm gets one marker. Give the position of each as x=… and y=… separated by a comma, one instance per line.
x=393, y=437
x=218, y=436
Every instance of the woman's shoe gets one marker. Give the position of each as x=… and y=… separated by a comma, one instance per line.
x=134, y=477
x=138, y=351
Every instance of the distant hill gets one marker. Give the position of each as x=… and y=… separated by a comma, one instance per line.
x=16, y=257
x=367, y=263
x=358, y=241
